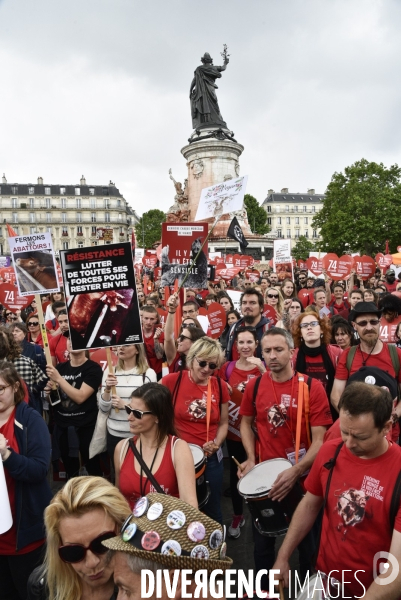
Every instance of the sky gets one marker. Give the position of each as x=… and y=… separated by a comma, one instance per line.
x=101, y=88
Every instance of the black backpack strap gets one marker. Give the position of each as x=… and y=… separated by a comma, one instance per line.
x=146, y=469
x=255, y=389
x=220, y=391
x=176, y=388
x=395, y=502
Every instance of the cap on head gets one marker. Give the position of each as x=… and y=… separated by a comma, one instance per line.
x=375, y=376
x=172, y=533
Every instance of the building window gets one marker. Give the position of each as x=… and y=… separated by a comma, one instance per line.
x=296, y=233
x=32, y=217
x=14, y=203
x=31, y=202
x=121, y=232
x=269, y=220
x=296, y=220
x=279, y=233
x=49, y=229
x=306, y=234
x=79, y=217
x=313, y=208
x=64, y=217
x=1, y=232
x=79, y=230
x=269, y=209
x=118, y=203
x=62, y=191
x=314, y=234
x=305, y=220
x=47, y=191
x=120, y=217
x=94, y=244
x=93, y=203
x=107, y=217
x=105, y=191
x=64, y=231
x=78, y=202
x=77, y=191
x=288, y=220
x=32, y=230
x=47, y=202
x=93, y=217
x=49, y=217
x=288, y=233
x=91, y=191
x=296, y=208
x=63, y=202
x=65, y=245
x=14, y=189
x=93, y=231
x=80, y=244
x=15, y=217
x=304, y=208
x=278, y=220
x=287, y=208
x=106, y=202
x=31, y=190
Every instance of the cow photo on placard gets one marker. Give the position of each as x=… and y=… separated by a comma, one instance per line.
x=181, y=244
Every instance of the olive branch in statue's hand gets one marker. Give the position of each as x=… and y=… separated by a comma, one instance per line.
x=224, y=54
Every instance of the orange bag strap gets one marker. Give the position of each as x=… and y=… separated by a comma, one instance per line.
x=208, y=406
x=299, y=417
x=307, y=411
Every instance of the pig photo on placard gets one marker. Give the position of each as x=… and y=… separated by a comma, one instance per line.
x=34, y=263
x=102, y=301
x=181, y=243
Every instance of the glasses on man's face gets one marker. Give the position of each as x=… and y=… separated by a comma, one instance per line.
x=373, y=322
x=272, y=296
x=311, y=324
x=75, y=553
x=204, y=363
x=33, y=323
x=183, y=337
x=138, y=414
x=2, y=388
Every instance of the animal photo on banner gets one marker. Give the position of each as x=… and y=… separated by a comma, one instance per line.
x=181, y=244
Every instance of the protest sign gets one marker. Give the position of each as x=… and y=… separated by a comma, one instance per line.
x=227, y=274
x=103, y=306
x=364, y=266
x=236, y=298
x=383, y=261
x=11, y=300
x=181, y=244
x=7, y=274
x=282, y=258
x=34, y=263
x=149, y=260
x=138, y=255
x=4, y=261
x=253, y=276
x=337, y=268
x=217, y=319
x=302, y=264
x=221, y=198
x=270, y=313
x=387, y=330
x=229, y=259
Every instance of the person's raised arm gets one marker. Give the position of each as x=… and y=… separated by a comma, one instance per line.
x=169, y=342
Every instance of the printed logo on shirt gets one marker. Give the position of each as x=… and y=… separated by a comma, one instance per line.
x=277, y=415
x=351, y=507
x=197, y=408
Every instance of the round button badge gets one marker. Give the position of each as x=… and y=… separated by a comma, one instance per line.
x=141, y=507
x=176, y=519
x=200, y=552
x=196, y=531
x=124, y=525
x=129, y=532
x=223, y=550
x=150, y=540
x=155, y=511
x=216, y=539
x=172, y=548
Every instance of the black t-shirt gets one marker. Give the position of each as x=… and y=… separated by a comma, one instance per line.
x=69, y=412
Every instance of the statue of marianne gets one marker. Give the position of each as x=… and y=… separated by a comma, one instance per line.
x=204, y=105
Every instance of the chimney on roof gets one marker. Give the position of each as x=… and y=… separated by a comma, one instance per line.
x=311, y=192
x=284, y=191
x=270, y=192
x=40, y=180
x=82, y=181
x=111, y=183
x=4, y=180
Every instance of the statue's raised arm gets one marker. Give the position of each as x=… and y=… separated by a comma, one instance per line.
x=205, y=109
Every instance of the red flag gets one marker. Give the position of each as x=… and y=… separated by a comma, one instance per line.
x=11, y=232
x=133, y=241
x=387, y=248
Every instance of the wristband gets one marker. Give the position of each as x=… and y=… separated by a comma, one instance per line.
x=106, y=389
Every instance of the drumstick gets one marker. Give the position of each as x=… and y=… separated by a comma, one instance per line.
x=237, y=463
x=281, y=589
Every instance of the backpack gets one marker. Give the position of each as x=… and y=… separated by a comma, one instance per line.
x=393, y=355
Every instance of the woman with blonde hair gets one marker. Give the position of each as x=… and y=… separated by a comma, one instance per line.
x=274, y=299
x=131, y=372
x=198, y=421
x=86, y=511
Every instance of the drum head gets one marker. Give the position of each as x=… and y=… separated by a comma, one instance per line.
x=197, y=453
x=260, y=479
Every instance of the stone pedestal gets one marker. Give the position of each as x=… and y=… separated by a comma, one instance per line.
x=210, y=160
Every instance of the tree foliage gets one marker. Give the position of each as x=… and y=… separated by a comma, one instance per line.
x=149, y=228
x=300, y=251
x=257, y=216
x=361, y=210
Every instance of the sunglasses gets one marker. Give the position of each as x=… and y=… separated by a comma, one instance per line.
x=272, y=296
x=138, y=414
x=311, y=324
x=33, y=323
x=11, y=318
x=183, y=337
x=74, y=553
x=204, y=363
x=373, y=322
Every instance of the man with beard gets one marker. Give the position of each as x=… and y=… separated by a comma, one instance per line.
x=371, y=352
x=252, y=305
x=390, y=281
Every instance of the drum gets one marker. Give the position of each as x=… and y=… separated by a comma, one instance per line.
x=271, y=518
x=202, y=492
x=321, y=587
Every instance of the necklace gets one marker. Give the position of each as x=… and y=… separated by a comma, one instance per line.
x=143, y=488
x=367, y=358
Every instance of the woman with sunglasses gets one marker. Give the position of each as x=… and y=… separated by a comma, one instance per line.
x=314, y=355
x=86, y=511
x=131, y=372
x=77, y=380
x=169, y=459
x=176, y=351
x=237, y=374
x=25, y=452
x=34, y=334
x=274, y=299
x=9, y=317
x=291, y=311
x=190, y=391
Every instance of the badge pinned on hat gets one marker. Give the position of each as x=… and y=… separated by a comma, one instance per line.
x=200, y=551
x=141, y=507
x=155, y=511
x=196, y=531
x=172, y=548
x=150, y=540
x=176, y=519
x=216, y=539
x=129, y=532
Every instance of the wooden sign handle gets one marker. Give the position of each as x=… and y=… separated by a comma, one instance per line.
x=111, y=372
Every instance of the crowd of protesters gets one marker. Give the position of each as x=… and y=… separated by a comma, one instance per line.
x=300, y=366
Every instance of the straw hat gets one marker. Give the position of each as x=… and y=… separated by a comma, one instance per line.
x=169, y=531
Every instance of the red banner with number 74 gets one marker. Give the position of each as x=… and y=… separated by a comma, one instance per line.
x=11, y=300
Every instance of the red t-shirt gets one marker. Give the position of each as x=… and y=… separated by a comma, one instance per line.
x=190, y=407
x=391, y=287
x=58, y=348
x=165, y=476
x=276, y=419
x=8, y=539
x=176, y=364
x=238, y=380
x=154, y=363
x=338, y=308
x=356, y=518
x=382, y=360
x=50, y=327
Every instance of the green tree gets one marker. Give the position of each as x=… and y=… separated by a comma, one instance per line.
x=257, y=217
x=302, y=248
x=361, y=210
x=149, y=228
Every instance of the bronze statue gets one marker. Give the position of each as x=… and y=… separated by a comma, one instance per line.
x=204, y=105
